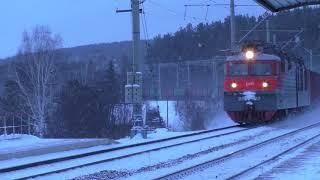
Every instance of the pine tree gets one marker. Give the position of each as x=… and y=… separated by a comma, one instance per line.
x=12, y=100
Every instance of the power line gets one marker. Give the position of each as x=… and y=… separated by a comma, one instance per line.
x=173, y=12
x=228, y=4
x=196, y=5
x=144, y=23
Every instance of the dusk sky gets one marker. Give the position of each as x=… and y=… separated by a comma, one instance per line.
x=82, y=22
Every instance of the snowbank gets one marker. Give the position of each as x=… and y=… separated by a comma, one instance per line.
x=304, y=118
x=221, y=119
x=17, y=141
x=159, y=133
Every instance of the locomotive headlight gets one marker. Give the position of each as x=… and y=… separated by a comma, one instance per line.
x=249, y=54
x=234, y=85
x=265, y=84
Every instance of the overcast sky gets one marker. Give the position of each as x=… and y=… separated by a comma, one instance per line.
x=81, y=22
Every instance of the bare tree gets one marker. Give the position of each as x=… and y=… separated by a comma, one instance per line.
x=35, y=73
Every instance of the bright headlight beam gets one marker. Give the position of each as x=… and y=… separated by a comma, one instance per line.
x=234, y=85
x=265, y=84
x=249, y=54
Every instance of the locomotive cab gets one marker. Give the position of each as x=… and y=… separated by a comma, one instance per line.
x=250, y=86
x=259, y=86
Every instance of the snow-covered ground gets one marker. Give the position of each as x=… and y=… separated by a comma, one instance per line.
x=22, y=141
x=221, y=119
x=109, y=155
x=306, y=166
x=160, y=133
x=218, y=120
x=27, y=149
x=156, y=163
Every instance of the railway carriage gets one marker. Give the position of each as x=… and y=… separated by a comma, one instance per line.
x=260, y=86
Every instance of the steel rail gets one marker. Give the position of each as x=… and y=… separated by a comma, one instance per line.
x=130, y=155
x=74, y=157
x=273, y=158
x=210, y=163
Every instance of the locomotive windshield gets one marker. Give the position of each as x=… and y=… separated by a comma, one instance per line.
x=261, y=69
x=238, y=69
x=253, y=69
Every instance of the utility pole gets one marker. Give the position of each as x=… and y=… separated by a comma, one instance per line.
x=134, y=78
x=136, y=35
x=232, y=25
x=268, y=30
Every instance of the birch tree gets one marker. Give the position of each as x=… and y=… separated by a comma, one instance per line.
x=35, y=73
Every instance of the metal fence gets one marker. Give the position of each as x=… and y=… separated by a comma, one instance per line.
x=14, y=124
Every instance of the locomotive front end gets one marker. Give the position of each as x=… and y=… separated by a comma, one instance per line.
x=250, y=86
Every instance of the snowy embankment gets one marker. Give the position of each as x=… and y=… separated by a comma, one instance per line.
x=219, y=120
x=20, y=140
x=169, y=113
x=154, y=164
x=161, y=133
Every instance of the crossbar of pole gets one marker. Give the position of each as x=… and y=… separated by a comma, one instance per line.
x=196, y=5
x=126, y=10
x=272, y=30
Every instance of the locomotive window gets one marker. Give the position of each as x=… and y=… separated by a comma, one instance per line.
x=237, y=69
x=261, y=69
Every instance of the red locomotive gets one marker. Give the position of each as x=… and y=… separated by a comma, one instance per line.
x=260, y=85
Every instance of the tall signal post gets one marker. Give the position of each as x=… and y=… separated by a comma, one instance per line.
x=134, y=77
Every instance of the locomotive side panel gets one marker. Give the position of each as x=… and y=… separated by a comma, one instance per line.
x=303, y=87
x=315, y=87
x=287, y=97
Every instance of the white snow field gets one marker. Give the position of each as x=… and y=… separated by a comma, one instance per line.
x=89, y=159
x=161, y=162
x=219, y=120
x=26, y=149
x=156, y=164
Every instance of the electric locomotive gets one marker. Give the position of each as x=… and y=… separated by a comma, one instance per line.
x=264, y=83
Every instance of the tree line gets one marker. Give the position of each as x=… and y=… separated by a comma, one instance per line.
x=205, y=40
x=61, y=98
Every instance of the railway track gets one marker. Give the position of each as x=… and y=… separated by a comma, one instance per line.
x=220, y=160
x=34, y=173
x=256, y=167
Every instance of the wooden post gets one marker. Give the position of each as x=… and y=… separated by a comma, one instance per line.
x=5, y=125
x=13, y=125
x=21, y=124
x=29, y=125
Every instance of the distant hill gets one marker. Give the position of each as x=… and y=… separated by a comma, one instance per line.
x=99, y=54
x=103, y=51
x=96, y=52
